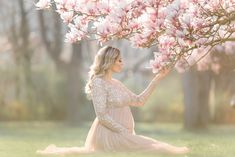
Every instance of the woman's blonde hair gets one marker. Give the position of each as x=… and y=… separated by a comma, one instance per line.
x=104, y=59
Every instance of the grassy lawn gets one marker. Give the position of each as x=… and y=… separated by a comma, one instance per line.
x=22, y=139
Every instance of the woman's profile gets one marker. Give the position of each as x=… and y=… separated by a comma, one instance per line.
x=113, y=128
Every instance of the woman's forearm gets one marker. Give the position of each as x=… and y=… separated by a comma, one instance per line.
x=143, y=96
x=140, y=99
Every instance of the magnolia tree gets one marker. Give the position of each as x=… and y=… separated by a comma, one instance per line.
x=183, y=30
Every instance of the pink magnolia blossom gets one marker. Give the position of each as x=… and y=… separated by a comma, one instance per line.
x=67, y=17
x=155, y=66
x=43, y=4
x=71, y=37
x=74, y=34
x=70, y=4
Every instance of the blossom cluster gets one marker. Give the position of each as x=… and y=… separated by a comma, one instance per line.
x=177, y=27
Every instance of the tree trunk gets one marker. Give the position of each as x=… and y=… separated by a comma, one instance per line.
x=196, y=87
x=75, y=85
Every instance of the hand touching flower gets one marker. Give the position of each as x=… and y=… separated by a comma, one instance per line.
x=164, y=72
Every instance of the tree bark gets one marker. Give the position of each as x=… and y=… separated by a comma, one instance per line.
x=196, y=87
x=26, y=52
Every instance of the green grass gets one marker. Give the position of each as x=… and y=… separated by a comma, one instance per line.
x=24, y=138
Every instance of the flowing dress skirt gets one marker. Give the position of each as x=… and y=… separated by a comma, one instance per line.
x=102, y=139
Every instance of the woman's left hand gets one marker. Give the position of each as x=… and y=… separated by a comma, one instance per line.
x=164, y=72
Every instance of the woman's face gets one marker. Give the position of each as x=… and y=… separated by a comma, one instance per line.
x=118, y=65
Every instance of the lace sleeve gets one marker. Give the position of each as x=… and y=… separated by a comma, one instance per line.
x=140, y=99
x=99, y=95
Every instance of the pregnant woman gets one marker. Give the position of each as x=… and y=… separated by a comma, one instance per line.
x=113, y=127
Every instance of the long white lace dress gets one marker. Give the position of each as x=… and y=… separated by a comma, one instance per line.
x=113, y=127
